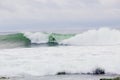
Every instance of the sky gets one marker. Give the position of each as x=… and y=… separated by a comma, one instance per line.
x=41, y=15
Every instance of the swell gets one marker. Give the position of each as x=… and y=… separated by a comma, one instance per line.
x=14, y=40
x=31, y=39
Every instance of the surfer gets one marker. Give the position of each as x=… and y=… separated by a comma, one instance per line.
x=52, y=41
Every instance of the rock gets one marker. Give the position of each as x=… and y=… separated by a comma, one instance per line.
x=117, y=78
x=98, y=71
x=4, y=78
x=61, y=73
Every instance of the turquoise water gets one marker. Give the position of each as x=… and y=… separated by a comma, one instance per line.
x=21, y=40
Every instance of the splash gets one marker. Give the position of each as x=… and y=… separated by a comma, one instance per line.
x=102, y=36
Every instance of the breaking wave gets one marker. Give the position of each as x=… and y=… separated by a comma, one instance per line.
x=14, y=40
x=102, y=36
x=30, y=39
x=60, y=60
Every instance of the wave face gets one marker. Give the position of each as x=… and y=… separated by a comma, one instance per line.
x=103, y=36
x=30, y=39
x=39, y=37
x=14, y=40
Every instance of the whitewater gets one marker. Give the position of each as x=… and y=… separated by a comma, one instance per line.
x=76, y=53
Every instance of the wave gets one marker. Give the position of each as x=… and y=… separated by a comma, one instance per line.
x=39, y=37
x=32, y=39
x=14, y=40
x=102, y=36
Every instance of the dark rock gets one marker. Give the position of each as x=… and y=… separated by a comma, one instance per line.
x=118, y=78
x=3, y=78
x=61, y=73
x=98, y=71
x=106, y=79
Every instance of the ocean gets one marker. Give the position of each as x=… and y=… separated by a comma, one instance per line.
x=37, y=54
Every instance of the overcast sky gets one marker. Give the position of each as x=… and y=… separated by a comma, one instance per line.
x=37, y=15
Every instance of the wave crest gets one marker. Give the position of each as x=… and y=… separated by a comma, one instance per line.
x=102, y=36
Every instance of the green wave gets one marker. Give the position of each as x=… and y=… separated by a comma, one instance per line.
x=20, y=40
x=60, y=37
x=14, y=40
x=54, y=38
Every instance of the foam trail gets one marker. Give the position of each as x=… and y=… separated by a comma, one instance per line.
x=103, y=36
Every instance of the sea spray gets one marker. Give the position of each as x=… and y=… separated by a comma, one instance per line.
x=102, y=36
x=37, y=37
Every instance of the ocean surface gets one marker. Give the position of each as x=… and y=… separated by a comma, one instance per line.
x=29, y=53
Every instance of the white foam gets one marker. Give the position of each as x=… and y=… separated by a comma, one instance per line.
x=103, y=36
x=50, y=60
x=37, y=37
